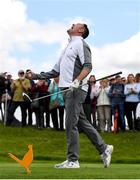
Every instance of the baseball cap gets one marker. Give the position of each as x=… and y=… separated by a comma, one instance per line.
x=21, y=72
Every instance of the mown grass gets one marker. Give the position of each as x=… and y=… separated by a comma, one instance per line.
x=49, y=147
x=45, y=170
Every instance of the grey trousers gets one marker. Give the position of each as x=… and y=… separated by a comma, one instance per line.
x=104, y=115
x=75, y=117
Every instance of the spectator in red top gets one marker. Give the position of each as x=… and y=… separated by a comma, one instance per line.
x=41, y=106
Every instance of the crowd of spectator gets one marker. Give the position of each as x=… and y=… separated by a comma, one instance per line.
x=105, y=99
x=44, y=109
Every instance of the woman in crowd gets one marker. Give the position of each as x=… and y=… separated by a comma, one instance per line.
x=132, y=90
x=104, y=106
x=56, y=105
x=93, y=96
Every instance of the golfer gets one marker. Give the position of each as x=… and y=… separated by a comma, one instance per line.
x=72, y=68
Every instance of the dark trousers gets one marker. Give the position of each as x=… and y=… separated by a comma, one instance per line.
x=130, y=107
x=12, y=110
x=29, y=111
x=47, y=118
x=87, y=111
x=54, y=116
x=93, y=110
x=61, y=117
x=39, y=113
x=120, y=107
x=58, y=123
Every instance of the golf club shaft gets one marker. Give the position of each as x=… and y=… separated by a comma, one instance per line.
x=109, y=76
x=115, y=74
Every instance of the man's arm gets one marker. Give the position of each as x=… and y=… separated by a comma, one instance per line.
x=84, y=73
x=45, y=75
x=48, y=75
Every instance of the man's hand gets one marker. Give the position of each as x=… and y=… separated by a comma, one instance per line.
x=75, y=84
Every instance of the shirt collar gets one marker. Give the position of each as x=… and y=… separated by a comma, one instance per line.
x=75, y=37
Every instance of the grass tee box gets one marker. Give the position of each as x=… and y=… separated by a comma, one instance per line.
x=49, y=148
x=45, y=170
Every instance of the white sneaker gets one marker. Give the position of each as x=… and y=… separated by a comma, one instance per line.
x=106, y=156
x=68, y=164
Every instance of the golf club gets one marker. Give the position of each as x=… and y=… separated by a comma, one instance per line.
x=27, y=98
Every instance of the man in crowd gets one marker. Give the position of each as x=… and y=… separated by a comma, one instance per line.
x=18, y=86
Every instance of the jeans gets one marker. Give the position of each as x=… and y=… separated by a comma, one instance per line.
x=120, y=107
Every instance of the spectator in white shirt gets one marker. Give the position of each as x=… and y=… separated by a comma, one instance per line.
x=104, y=106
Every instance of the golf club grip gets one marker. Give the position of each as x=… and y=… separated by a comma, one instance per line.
x=115, y=74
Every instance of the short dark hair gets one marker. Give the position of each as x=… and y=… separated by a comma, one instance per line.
x=118, y=76
x=28, y=70
x=86, y=32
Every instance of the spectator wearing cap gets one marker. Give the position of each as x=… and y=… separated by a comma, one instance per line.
x=18, y=86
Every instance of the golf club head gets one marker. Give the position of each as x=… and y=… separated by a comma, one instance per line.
x=26, y=97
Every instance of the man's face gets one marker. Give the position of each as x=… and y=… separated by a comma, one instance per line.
x=21, y=75
x=92, y=80
x=76, y=29
x=118, y=80
x=29, y=75
x=9, y=76
x=40, y=82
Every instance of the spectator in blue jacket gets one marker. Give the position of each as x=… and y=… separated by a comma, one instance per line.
x=116, y=93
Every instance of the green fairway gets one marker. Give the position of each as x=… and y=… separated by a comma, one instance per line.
x=45, y=170
x=49, y=148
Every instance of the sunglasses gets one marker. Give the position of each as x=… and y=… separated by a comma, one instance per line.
x=21, y=73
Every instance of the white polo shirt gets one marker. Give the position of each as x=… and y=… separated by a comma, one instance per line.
x=75, y=57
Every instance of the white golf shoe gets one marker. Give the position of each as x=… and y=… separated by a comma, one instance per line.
x=68, y=164
x=106, y=156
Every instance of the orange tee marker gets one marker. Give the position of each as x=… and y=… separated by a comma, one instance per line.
x=27, y=159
